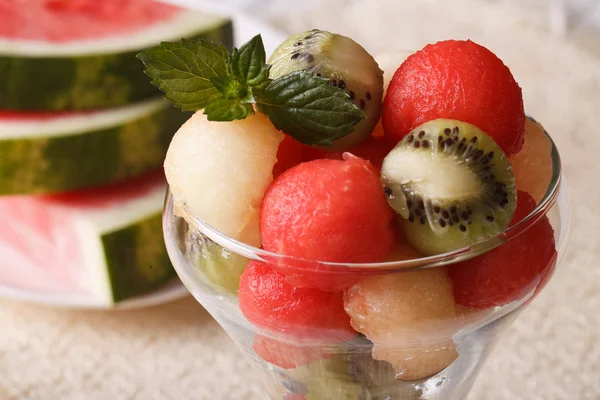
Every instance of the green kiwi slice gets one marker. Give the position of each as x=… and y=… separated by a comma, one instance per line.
x=451, y=185
x=345, y=63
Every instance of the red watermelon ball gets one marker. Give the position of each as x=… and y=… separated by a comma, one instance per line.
x=456, y=80
x=510, y=271
x=328, y=210
x=290, y=153
x=269, y=302
x=287, y=355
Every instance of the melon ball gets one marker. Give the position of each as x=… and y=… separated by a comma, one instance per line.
x=532, y=165
x=402, y=252
x=406, y=315
x=221, y=170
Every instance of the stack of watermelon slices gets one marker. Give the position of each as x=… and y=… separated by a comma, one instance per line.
x=83, y=135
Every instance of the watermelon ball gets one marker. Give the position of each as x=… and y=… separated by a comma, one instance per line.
x=532, y=165
x=291, y=153
x=270, y=303
x=510, y=271
x=327, y=210
x=458, y=80
x=378, y=130
x=286, y=355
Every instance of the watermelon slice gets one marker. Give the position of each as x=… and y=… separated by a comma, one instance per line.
x=106, y=242
x=80, y=54
x=48, y=153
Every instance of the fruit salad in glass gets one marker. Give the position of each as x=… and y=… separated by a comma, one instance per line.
x=358, y=240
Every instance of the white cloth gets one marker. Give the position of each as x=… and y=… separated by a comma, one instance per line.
x=177, y=352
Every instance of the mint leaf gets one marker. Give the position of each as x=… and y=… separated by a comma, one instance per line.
x=225, y=84
x=233, y=90
x=248, y=64
x=182, y=70
x=307, y=108
x=221, y=109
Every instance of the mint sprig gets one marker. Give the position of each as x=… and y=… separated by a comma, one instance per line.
x=201, y=75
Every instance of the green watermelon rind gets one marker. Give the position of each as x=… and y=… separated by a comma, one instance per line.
x=120, y=242
x=67, y=82
x=58, y=162
x=136, y=259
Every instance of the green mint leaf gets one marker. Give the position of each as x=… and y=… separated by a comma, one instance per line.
x=246, y=95
x=307, y=108
x=183, y=70
x=248, y=64
x=221, y=109
x=227, y=86
x=233, y=90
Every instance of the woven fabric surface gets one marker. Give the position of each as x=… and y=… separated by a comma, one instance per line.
x=177, y=352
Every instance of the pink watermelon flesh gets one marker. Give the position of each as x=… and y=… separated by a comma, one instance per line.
x=9, y=115
x=40, y=247
x=108, y=196
x=68, y=20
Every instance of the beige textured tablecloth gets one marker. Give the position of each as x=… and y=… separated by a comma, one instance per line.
x=177, y=352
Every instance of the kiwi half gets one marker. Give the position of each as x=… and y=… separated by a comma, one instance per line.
x=345, y=63
x=451, y=185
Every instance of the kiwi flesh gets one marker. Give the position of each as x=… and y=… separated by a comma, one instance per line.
x=346, y=64
x=451, y=185
x=328, y=378
x=357, y=376
x=220, y=266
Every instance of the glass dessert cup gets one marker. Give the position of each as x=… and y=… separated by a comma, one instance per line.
x=434, y=355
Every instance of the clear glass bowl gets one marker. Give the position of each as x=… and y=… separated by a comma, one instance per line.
x=436, y=356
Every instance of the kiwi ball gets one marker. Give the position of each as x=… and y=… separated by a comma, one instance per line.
x=346, y=64
x=451, y=185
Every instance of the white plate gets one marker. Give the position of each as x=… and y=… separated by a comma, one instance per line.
x=244, y=29
x=171, y=291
